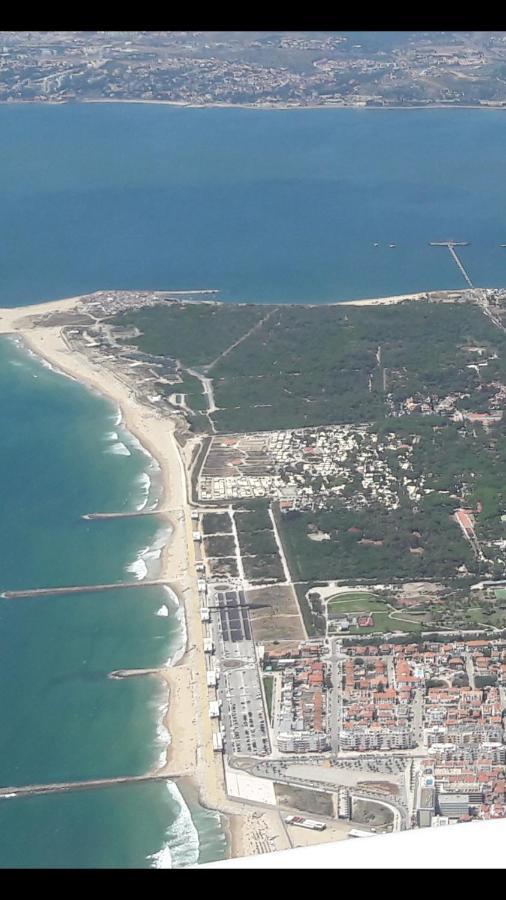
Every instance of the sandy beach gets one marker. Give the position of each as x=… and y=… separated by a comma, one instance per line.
x=442, y=296
x=190, y=749
x=191, y=746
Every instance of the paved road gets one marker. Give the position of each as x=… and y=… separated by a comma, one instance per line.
x=417, y=710
x=335, y=698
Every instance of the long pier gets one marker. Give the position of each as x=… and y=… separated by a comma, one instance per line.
x=450, y=245
x=60, y=787
x=128, y=515
x=460, y=266
x=117, y=515
x=81, y=589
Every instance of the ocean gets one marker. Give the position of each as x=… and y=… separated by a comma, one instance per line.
x=63, y=454
x=262, y=205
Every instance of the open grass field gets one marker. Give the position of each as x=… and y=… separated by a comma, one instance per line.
x=354, y=602
x=383, y=623
x=274, y=614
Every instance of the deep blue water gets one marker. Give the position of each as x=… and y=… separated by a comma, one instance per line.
x=279, y=205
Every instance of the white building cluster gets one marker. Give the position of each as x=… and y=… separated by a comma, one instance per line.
x=308, y=466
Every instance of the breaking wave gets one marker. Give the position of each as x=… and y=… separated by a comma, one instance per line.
x=118, y=449
x=179, y=615
x=163, y=735
x=147, y=559
x=40, y=359
x=144, y=482
x=138, y=568
x=182, y=839
x=136, y=444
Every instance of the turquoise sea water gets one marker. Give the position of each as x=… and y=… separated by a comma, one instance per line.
x=261, y=204
x=63, y=453
x=117, y=827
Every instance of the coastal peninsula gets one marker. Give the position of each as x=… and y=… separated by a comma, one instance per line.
x=319, y=516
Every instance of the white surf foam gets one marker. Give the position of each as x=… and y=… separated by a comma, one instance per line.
x=145, y=562
x=118, y=449
x=40, y=359
x=162, y=859
x=152, y=554
x=163, y=611
x=136, y=444
x=182, y=847
x=179, y=614
x=163, y=735
x=144, y=482
x=138, y=568
x=111, y=436
x=47, y=365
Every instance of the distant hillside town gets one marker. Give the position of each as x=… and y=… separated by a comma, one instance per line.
x=256, y=68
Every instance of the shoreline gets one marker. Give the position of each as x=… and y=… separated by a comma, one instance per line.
x=189, y=755
x=174, y=760
x=18, y=320
x=188, y=750
x=186, y=104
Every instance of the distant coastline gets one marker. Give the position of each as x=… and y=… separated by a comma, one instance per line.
x=183, y=104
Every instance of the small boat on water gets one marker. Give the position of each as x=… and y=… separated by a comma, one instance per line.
x=376, y=245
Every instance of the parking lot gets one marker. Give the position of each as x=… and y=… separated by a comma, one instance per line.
x=245, y=725
x=239, y=683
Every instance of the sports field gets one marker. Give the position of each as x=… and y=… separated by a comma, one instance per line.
x=355, y=601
